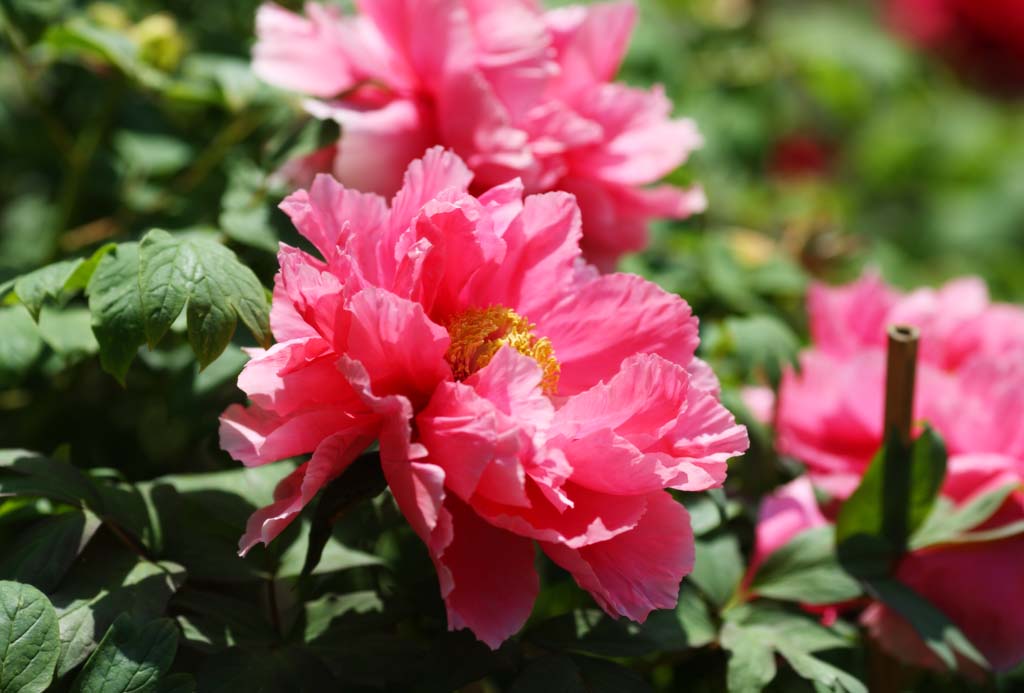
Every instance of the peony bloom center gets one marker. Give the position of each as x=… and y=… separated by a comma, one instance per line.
x=478, y=333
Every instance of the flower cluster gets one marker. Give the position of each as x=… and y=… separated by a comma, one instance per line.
x=970, y=388
x=516, y=92
x=518, y=396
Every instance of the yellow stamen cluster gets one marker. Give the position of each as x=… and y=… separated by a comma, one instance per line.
x=478, y=333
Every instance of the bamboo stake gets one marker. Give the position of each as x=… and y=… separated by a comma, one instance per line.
x=900, y=374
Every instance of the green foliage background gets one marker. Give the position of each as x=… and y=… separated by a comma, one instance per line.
x=121, y=528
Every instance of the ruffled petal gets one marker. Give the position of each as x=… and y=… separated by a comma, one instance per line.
x=590, y=43
x=332, y=457
x=489, y=584
x=638, y=571
x=401, y=349
x=609, y=318
x=647, y=429
x=304, y=55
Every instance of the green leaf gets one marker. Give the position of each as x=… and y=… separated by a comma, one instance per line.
x=20, y=346
x=42, y=554
x=687, y=626
x=102, y=585
x=207, y=280
x=151, y=154
x=35, y=288
x=806, y=570
x=25, y=473
x=754, y=634
x=948, y=523
x=68, y=332
x=894, y=498
x=751, y=659
x=29, y=640
x=131, y=658
x=80, y=38
x=333, y=610
x=245, y=209
x=939, y=633
x=718, y=566
x=763, y=343
x=116, y=308
x=79, y=279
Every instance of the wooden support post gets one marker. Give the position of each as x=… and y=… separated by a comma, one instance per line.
x=900, y=374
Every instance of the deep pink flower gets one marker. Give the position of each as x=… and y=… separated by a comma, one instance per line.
x=985, y=40
x=515, y=91
x=970, y=387
x=830, y=414
x=518, y=396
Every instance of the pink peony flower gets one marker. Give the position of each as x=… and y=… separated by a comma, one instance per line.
x=830, y=415
x=515, y=91
x=518, y=396
x=970, y=387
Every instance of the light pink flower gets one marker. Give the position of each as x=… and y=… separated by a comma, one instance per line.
x=970, y=388
x=518, y=396
x=830, y=414
x=515, y=91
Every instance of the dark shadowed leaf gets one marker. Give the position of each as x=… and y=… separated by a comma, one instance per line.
x=44, y=552
x=104, y=583
x=131, y=658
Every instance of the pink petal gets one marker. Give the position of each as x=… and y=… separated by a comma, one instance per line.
x=377, y=142
x=491, y=582
x=296, y=375
x=332, y=457
x=431, y=37
x=590, y=42
x=329, y=214
x=844, y=319
x=401, y=349
x=479, y=430
x=760, y=402
x=609, y=318
x=978, y=587
x=641, y=143
x=645, y=430
x=439, y=170
x=543, y=247
x=638, y=571
x=787, y=512
x=593, y=517
x=285, y=321
x=315, y=294
x=301, y=54
x=254, y=436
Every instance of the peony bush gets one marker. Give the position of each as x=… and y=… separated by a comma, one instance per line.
x=378, y=346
